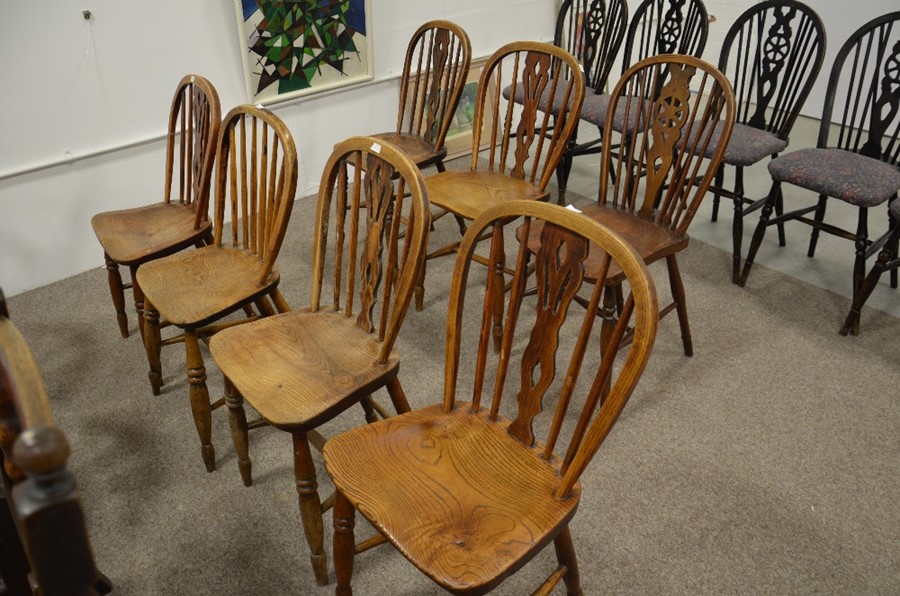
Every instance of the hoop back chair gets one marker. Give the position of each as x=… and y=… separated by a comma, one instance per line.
x=657, y=27
x=42, y=528
x=470, y=492
x=303, y=368
x=256, y=179
x=653, y=198
x=131, y=237
x=434, y=74
x=856, y=159
x=525, y=140
x=772, y=54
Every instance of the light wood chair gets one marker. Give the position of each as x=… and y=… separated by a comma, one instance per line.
x=303, y=368
x=43, y=535
x=132, y=237
x=256, y=179
x=434, y=74
x=689, y=112
x=526, y=138
x=464, y=492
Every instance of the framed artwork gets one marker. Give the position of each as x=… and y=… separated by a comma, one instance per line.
x=459, y=136
x=292, y=48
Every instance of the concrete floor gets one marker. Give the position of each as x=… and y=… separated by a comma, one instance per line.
x=832, y=266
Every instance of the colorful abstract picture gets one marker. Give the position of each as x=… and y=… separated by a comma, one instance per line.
x=296, y=47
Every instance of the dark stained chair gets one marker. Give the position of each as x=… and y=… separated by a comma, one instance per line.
x=653, y=199
x=434, y=74
x=525, y=142
x=857, y=155
x=467, y=491
x=256, y=178
x=657, y=27
x=301, y=369
x=772, y=55
x=132, y=237
x=43, y=534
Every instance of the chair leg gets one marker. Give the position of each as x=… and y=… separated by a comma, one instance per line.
x=779, y=210
x=343, y=544
x=718, y=182
x=737, y=224
x=152, y=346
x=759, y=232
x=237, y=422
x=680, y=304
x=398, y=397
x=887, y=254
x=117, y=292
x=369, y=409
x=818, y=217
x=564, y=170
x=420, y=286
x=200, y=407
x=310, y=506
x=499, y=292
x=138, y=295
x=862, y=244
x=565, y=555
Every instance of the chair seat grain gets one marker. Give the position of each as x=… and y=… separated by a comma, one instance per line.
x=470, y=193
x=422, y=152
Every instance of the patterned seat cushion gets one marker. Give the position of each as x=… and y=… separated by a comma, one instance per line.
x=545, y=96
x=844, y=175
x=593, y=109
x=747, y=146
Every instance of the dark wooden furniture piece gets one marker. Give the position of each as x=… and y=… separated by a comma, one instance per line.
x=465, y=493
x=657, y=27
x=857, y=155
x=303, y=368
x=43, y=536
x=653, y=197
x=526, y=141
x=887, y=261
x=132, y=237
x=256, y=178
x=434, y=74
x=772, y=55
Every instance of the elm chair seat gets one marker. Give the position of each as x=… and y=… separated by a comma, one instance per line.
x=422, y=152
x=483, y=189
x=748, y=145
x=133, y=236
x=845, y=175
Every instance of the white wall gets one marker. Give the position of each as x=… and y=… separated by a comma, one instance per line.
x=80, y=87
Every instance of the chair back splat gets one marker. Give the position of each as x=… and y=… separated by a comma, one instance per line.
x=666, y=27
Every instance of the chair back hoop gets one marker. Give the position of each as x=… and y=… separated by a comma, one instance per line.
x=863, y=94
x=381, y=223
x=592, y=31
x=434, y=74
x=256, y=180
x=665, y=137
x=772, y=54
x=526, y=138
x=566, y=239
x=194, y=120
x=666, y=27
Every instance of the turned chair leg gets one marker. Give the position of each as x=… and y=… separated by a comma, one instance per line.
x=677, y=286
x=117, y=291
x=310, y=506
x=887, y=254
x=565, y=555
x=737, y=224
x=760, y=231
x=152, y=346
x=819, y=217
x=200, y=407
x=138, y=295
x=369, y=409
x=237, y=422
x=420, y=286
x=398, y=397
x=718, y=183
x=862, y=246
x=344, y=543
x=498, y=292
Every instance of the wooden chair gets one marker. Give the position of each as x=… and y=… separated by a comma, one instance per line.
x=465, y=493
x=653, y=199
x=132, y=237
x=43, y=536
x=856, y=159
x=657, y=27
x=772, y=55
x=303, y=368
x=526, y=141
x=434, y=74
x=256, y=178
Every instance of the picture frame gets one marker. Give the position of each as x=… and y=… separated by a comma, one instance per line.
x=459, y=136
x=279, y=63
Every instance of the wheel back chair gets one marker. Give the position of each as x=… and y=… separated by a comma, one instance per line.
x=470, y=492
x=434, y=74
x=132, y=237
x=653, y=199
x=857, y=155
x=256, y=178
x=301, y=369
x=44, y=545
x=772, y=54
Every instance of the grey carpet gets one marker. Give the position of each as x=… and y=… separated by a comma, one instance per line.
x=767, y=463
